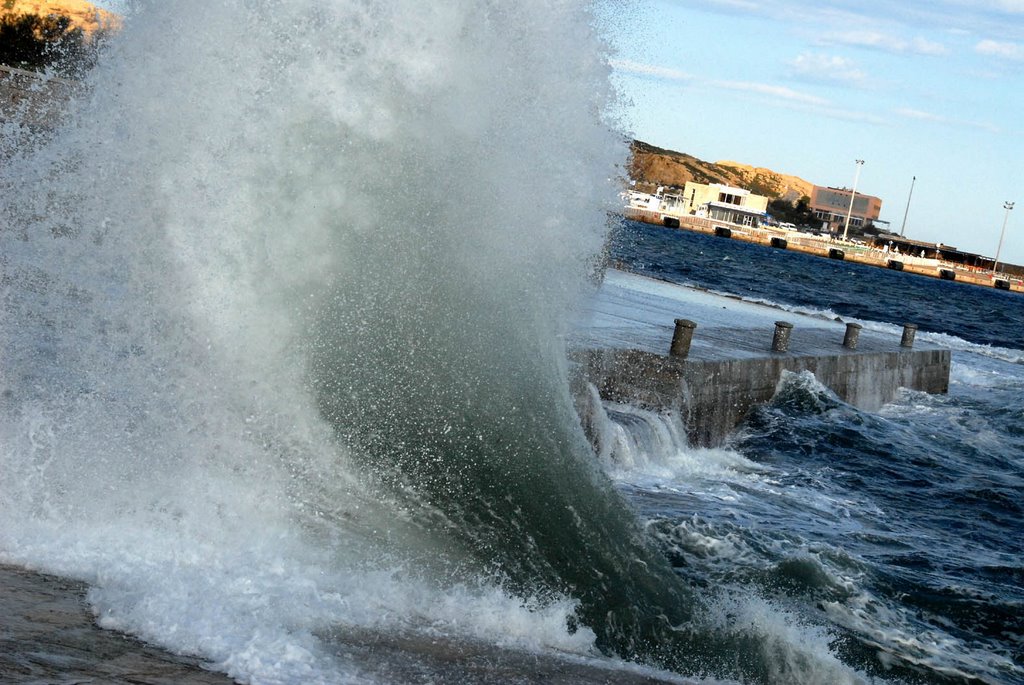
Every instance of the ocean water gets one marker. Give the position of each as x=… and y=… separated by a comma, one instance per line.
x=985, y=316
x=899, y=534
x=283, y=311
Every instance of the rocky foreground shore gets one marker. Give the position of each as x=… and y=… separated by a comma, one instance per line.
x=48, y=635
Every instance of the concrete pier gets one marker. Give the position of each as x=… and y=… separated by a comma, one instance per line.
x=831, y=249
x=731, y=366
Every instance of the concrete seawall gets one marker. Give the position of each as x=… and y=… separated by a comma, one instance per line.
x=713, y=395
x=835, y=249
x=731, y=367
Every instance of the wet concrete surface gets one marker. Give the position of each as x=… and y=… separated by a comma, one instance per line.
x=48, y=635
x=407, y=659
x=622, y=349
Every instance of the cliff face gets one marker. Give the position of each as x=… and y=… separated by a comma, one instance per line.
x=82, y=14
x=657, y=166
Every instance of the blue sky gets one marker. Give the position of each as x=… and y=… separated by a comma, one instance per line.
x=926, y=89
x=804, y=87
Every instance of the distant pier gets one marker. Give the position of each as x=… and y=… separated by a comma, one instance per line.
x=731, y=355
x=831, y=249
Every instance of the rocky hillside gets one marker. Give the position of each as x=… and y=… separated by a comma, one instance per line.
x=82, y=14
x=650, y=165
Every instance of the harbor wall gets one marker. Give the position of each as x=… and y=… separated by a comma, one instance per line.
x=713, y=396
x=852, y=252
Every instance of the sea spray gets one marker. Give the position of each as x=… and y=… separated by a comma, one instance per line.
x=282, y=303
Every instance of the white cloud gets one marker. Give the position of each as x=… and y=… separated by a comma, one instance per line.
x=920, y=115
x=776, y=95
x=626, y=66
x=1008, y=6
x=744, y=5
x=637, y=68
x=820, y=67
x=774, y=92
x=879, y=40
x=845, y=114
x=923, y=46
x=1001, y=49
x=793, y=99
x=981, y=17
x=860, y=38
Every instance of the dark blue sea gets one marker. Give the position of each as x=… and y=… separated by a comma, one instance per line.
x=897, y=537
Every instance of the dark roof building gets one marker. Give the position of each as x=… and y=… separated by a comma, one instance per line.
x=946, y=253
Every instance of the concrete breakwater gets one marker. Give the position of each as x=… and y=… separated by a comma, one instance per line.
x=831, y=249
x=731, y=365
x=714, y=391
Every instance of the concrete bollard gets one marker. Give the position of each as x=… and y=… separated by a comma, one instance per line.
x=852, y=333
x=780, y=343
x=682, y=337
x=909, y=330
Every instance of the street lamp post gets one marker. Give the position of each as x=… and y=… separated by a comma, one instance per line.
x=856, y=176
x=995, y=265
x=907, y=210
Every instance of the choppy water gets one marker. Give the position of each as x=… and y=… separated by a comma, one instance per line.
x=900, y=534
x=980, y=315
x=281, y=318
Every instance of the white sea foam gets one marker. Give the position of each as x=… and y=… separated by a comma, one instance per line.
x=255, y=607
x=900, y=639
x=648, y=450
x=167, y=253
x=797, y=650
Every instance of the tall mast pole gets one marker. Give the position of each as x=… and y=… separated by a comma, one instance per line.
x=856, y=176
x=995, y=265
x=907, y=210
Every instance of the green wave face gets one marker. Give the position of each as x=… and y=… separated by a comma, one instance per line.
x=455, y=395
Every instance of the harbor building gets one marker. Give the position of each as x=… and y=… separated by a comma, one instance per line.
x=704, y=201
x=724, y=203
x=830, y=205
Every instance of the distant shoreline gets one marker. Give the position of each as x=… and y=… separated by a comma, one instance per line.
x=829, y=249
